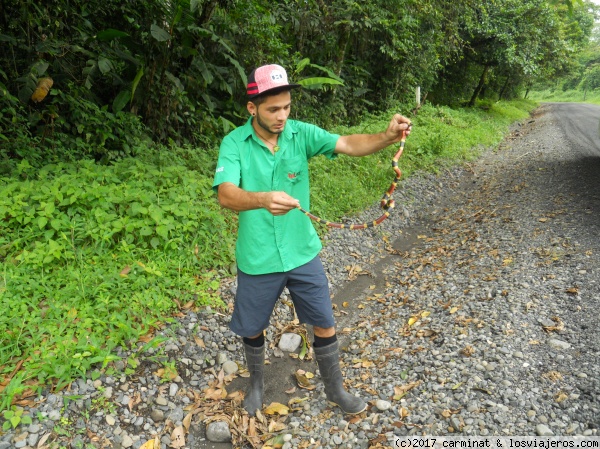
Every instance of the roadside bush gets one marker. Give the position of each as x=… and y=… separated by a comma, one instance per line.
x=93, y=256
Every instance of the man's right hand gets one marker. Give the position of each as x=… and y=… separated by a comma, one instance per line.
x=278, y=203
x=234, y=198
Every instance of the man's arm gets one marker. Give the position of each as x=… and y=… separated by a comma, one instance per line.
x=232, y=197
x=364, y=144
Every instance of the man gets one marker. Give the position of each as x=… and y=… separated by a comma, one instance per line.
x=262, y=173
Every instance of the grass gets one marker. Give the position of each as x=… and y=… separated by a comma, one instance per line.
x=558, y=95
x=95, y=258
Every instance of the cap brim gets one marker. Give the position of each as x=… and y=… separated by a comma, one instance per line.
x=276, y=90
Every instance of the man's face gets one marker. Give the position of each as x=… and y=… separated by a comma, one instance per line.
x=272, y=114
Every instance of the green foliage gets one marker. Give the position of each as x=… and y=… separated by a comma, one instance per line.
x=176, y=71
x=95, y=256
x=14, y=417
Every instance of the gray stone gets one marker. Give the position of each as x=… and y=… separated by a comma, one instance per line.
x=221, y=358
x=543, y=430
x=383, y=405
x=559, y=344
x=230, y=367
x=289, y=342
x=157, y=415
x=127, y=441
x=218, y=432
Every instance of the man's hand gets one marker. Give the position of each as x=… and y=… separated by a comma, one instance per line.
x=234, y=198
x=399, y=126
x=278, y=203
x=364, y=144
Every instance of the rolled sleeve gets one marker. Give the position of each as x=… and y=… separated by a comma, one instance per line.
x=228, y=165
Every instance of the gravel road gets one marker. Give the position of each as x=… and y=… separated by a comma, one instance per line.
x=472, y=311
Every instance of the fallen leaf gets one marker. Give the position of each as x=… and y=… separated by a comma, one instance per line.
x=560, y=397
x=275, y=408
x=215, y=394
x=187, y=421
x=178, y=437
x=151, y=444
x=400, y=391
x=275, y=442
x=412, y=320
x=303, y=381
x=276, y=426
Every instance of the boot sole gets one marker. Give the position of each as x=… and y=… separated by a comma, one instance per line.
x=333, y=404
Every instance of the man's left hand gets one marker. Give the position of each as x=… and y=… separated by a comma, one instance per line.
x=398, y=128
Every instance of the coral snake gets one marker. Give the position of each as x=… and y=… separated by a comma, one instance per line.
x=387, y=203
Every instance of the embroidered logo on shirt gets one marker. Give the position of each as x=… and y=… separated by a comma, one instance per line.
x=220, y=169
x=293, y=175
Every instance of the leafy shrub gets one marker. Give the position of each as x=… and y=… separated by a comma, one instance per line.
x=95, y=256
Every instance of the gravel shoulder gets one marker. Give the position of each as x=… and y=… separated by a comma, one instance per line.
x=472, y=311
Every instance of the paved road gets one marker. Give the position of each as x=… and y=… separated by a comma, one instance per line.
x=581, y=124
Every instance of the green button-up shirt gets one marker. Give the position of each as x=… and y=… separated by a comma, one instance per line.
x=268, y=243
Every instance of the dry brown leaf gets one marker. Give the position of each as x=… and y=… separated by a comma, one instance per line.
x=561, y=396
x=275, y=408
x=276, y=426
x=467, y=351
x=400, y=391
x=187, y=421
x=303, y=381
x=449, y=412
x=177, y=437
x=215, y=394
x=558, y=327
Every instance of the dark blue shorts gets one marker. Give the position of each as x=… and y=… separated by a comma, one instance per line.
x=257, y=295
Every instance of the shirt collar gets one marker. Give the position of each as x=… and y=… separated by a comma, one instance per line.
x=288, y=131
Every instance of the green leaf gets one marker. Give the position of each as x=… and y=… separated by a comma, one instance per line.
x=110, y=34
x=159, y=34
x=42, y=222
x=136, y=81
x=15, y=420
x=318, y=81
x=121, y=100
x=104, y=65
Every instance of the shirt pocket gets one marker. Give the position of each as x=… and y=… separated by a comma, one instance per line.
x=293, y=170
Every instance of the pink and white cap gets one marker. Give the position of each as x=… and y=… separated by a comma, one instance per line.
x=266, y=78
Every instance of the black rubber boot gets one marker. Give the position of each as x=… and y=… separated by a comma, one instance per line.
x=255, y=360
x=328, y=359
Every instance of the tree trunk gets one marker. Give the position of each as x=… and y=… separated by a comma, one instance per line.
x=504, y=87
x=479, y=87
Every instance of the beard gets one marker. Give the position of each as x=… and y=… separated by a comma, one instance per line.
x=264, y=126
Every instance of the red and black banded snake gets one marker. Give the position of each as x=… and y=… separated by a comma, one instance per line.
x=387, y=203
